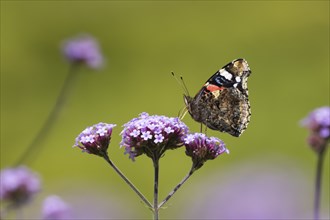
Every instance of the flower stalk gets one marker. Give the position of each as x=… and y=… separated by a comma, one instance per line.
x=82, y=50
x=177, y=187
x=318, y=124
x=156, y=181
x=131, y=185
x=318, y=181
x=33, y=148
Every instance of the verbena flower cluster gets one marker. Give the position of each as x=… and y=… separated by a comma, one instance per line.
x=318, y=123
x=54, y=208
x=95, y=139
x=152, y=135
x=202, y=148
x=18, y=185
x=83, y=49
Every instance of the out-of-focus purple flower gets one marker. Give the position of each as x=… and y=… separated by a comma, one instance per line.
x=257, y=189
x=152, y=135
x=18, y=185
x=202, y=148
x=318, y=123
x=54, y=208
x=83, y=49
x=95, y=139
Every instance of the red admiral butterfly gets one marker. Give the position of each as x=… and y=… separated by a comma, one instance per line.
x=222, y=104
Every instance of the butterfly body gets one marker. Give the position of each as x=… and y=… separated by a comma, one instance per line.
x=222, y=104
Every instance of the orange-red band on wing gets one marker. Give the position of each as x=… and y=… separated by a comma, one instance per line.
x=213, y=88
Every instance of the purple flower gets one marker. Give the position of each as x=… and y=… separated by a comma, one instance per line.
x=254, y=189
x=18, y=185
x=146, y=135
x=54, y=208
x=158, y=138
x=318, y=123
x=152, y=135
x=202, y=148
x=83, y=49
x=95, y=139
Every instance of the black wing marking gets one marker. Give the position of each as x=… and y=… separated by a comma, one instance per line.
x=221, y=81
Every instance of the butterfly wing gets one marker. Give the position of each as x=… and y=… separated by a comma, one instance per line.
x=222, y=104
x=227, y=111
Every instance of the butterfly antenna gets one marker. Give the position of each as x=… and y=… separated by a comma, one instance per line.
x=182, y=83
x=184, y=86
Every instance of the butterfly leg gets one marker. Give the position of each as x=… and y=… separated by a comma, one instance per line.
x=205, y=129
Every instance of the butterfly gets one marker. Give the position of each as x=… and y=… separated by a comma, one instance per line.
x=223, y=104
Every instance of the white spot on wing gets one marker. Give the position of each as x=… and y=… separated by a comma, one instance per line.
x=238, y=79
x=226, y=74
x=216, y=93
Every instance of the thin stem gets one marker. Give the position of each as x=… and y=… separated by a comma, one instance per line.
x=318, y=181
x=32, y=149
x=143, y=198
x=177, y=187
x=156, y=178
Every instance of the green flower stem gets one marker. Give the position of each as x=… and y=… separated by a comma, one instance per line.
x=177, y=187
x=318, y=180
x=156, y=178
x=143, y=198
x=34, y=147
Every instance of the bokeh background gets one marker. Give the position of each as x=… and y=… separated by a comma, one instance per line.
x=270, y=170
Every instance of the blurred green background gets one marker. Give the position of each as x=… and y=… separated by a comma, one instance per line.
x=285, y=43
